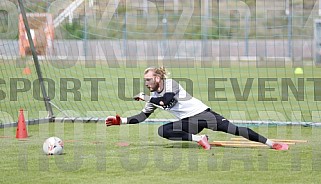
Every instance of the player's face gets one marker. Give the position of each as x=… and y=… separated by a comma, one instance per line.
x=151, y=81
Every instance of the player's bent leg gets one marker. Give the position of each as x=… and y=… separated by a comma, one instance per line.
x=173, y=132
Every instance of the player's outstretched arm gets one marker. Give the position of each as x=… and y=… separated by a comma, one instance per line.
x=117, y=120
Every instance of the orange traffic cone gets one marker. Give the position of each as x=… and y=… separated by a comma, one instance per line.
x=26, y=71
x=21, y=132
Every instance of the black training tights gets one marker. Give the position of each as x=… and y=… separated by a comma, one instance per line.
x=183, y=129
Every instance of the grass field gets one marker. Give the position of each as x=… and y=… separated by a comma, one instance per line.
x=92, y=155
x=240, y=92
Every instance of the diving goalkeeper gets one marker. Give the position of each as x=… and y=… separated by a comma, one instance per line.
x=193, y=115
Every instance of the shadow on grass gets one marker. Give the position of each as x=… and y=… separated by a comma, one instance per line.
x=171, y=144
x=185, y=145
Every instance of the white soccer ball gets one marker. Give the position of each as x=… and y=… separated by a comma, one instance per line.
x=53, y=146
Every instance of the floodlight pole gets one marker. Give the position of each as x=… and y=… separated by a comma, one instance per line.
x=246, y=34
x=165, y=32
x=288, y=13
x=125, y=35
x=319, y=7
x=36, y=61
x=85, y=30
x=204, y=26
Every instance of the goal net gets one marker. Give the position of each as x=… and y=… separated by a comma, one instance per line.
x=251, y=61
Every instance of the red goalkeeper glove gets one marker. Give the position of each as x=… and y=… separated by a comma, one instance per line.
x=113, y=120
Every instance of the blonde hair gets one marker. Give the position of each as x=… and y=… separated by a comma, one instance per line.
x=161, y=72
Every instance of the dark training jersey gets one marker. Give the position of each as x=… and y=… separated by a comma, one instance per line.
x=181, y=104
